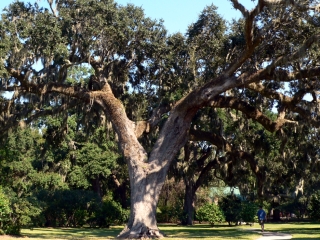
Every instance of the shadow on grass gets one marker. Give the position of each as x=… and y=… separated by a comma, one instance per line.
x=299, y=231
x=203, y=231
x=172, y=232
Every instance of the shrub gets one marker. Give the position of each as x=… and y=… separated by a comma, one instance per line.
x=4, y=206
x=314, y=207
x=231, y=206
x=66, y=208
x=248, y=212
x=107, y=213
x=21, y=212
x=4, y=209
x=211, y=213
x=170, y=214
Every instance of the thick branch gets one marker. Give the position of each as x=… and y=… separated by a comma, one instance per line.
x=240, y=7
x=289, y=102
x=299, y=7
x=146, y=126
x=247, y=77
x=250, y=111
x=214, y=139
x=204, y=173
x=197, y=135
x=13, y=121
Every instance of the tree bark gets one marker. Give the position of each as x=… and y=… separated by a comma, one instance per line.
x=188, y=205
x=95, y=182
x=147, y=175
x=120, y=193
x=145, y=190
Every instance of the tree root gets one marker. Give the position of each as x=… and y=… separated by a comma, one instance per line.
x=143, y=232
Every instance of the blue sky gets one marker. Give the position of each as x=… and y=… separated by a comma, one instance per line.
x=177, y=14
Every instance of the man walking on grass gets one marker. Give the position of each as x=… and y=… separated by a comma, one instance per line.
x=261, y=217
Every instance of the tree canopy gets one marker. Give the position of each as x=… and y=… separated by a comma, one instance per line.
x=157, y=90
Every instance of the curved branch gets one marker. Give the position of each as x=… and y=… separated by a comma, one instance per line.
x=146, y=126
x=267, y=72
x=289, y=102
x=12, y=121
x=299, y=7
x=250, y=111
x=234, y=154
x=214, y=164
x=240, y=7
x=286, y=75
x=214, y=139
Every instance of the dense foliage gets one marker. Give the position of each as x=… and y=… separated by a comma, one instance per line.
x=315, y=206
x=211, y=213
x=99, y=99
x=5, y=209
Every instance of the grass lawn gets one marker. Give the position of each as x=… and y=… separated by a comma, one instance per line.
x=299, y=231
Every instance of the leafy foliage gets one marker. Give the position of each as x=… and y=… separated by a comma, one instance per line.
x=5, y=209
x=170, y=207
x=248, y=212
x=237, y=90
x=109, y=212
x=314, y=208
x=68, y=208
x=231, y=207
x=210, y=212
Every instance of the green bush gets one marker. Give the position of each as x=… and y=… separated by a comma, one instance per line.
x=210, y=213
x=5, y=210
x=314, y=207
x=115, y=214
x=12, y=229
x=21, y=212
x=248, y=212
x=4, y=207
x=231, y=206
x=169, y=214
x=66, y=208
x=107, y=213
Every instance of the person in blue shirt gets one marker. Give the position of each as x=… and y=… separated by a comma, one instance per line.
x=261, y=217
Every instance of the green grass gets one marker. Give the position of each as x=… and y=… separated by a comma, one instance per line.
x=72, y=233
x=173, y=232
x=299, y=231
x=218, y=232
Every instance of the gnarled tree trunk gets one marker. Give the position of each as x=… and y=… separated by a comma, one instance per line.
x=147, y=174
x=145, y=190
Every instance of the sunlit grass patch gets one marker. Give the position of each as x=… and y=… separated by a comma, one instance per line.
x=299, y=231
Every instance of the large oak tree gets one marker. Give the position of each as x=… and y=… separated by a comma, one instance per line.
x=269, y=57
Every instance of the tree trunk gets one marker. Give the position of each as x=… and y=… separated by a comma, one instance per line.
x=95, y=182
x=145, y=190
x=276, y=215
x=188, y=206
x=121, y=194
x=147, y=174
